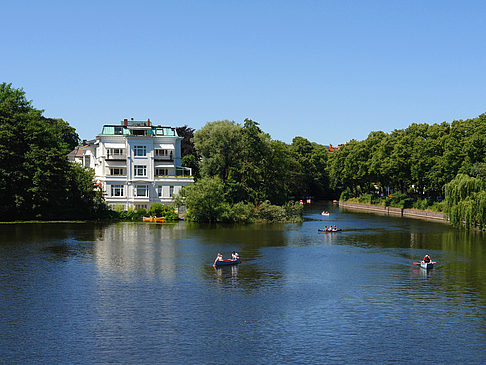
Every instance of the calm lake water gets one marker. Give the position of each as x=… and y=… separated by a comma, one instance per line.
x=146, y=293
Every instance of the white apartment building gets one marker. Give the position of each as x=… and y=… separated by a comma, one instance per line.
x=136, y=163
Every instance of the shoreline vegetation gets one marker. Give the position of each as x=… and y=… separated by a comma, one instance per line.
x=242, y=175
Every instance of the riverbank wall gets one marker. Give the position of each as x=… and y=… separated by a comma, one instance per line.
x=400, y=212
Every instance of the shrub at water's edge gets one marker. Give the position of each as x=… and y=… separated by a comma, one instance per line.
x=205, y=202
x=136, y=214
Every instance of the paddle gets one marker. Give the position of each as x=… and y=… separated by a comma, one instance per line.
x=418, y=263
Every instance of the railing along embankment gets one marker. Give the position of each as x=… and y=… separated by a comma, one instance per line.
x=408, y=213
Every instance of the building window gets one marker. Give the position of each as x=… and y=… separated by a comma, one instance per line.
x=142, y=190
x=115, y=151
x=164, y=154
x=159, y=191
x=117, y=171
x=140, y=206
x=140, y=170
x=171, y=191
x=87, y=161
x=116, y=190
x=139, y=150
x=118, y=130
x=161, y=172
x=159, y=131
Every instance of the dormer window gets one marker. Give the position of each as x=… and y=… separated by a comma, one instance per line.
x=119, y=130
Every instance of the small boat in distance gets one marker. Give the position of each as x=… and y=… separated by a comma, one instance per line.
x=227, y=262
x=325, y=213
x=330, y=231
x=154, y=219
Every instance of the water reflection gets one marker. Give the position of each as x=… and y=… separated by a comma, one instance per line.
x=128, y=293
x=233, y=270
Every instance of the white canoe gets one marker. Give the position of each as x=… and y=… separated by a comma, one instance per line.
x=426, y=265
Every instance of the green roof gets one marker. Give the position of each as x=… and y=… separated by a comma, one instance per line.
x=109, y=130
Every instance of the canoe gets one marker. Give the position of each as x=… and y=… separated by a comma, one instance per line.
x=153, y=219
x=426, y=265
x=321, y=230
x=227, y=262
x=326, y=214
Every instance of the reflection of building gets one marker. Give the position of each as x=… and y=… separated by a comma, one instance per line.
x=136, y=163
x=129, y=248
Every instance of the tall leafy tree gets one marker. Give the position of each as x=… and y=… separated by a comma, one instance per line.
x=36, y=179
x=187, y=145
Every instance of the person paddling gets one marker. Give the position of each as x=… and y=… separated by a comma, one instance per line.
x=218, y=258
x=427, y=259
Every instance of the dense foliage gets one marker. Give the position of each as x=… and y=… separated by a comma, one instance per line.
x=36, y=179
x=411, y=167
x=205, y=202
x=187, y=146
x=255, y=168
x=418, y=160
x=248, y=174
x=466, y=201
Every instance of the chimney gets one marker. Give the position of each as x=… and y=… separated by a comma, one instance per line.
x=125, y=122
x=148, y=122
x=131, y=118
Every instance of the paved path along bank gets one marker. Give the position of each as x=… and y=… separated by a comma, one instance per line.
x=409, y=213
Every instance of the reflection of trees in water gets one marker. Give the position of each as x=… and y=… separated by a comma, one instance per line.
x=248, y=238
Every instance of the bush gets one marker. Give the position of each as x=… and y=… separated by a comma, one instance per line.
x=270, y=213
x=132, y=213
x=346, y=195
x=366, y=198
x=421, y=204
x=293, y=211
x=399, y=200
x=240, y=212
x=162, y=210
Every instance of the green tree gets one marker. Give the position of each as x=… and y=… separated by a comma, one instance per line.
x=36, y=179
x=309, y=173
x=204, y=200
x=191, y=161
x=465, y=199
x=187, y=145
x=220, y=145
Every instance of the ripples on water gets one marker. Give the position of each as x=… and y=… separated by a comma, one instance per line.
x=143, y=293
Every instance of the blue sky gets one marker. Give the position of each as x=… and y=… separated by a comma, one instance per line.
x=329, y=71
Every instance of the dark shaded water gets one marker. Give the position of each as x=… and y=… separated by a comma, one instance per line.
x=145, y=293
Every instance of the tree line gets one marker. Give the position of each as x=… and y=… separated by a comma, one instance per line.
x=36, y=179
x=251, y=177
x=243, y=175
x=420, y=165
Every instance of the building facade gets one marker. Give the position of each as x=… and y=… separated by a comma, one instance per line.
x=136, y=163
